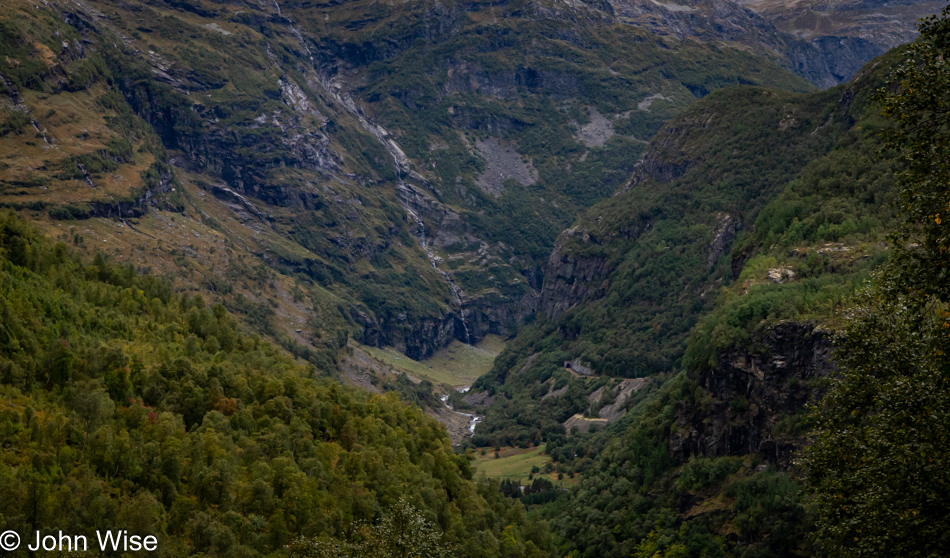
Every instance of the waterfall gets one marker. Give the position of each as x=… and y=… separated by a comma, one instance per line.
x=473, y=420
x=399, y=161
x=424, y=242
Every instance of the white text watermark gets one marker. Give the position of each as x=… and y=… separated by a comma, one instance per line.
x=117, y=541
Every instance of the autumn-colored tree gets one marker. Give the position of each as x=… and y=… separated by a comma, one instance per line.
x=917, y=102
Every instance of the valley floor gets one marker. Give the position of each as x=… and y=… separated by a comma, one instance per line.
x=521, y=464
x=451, y=368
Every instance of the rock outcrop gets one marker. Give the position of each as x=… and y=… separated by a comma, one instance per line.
x=725, y=234
x=751, y=391
x=571, y=277
x=838, y=38
x=309, y=132
x=416, y=336
x=503, y=163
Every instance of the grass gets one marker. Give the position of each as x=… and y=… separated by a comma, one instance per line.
x=515, y=464
x=76, y=127
x=455, y=366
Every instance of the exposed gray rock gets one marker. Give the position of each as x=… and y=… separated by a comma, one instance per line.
x=480, y=399
x=781, y=275
x=843, y=34
x=625, y=390
x=725, y=234
x=570, y=278
x=582, y=368
x=499, y=312
x=646, y=103
x=596, y=132
x=495, y=310
x=749, y=390
x=417, y=337
x=554, y=393
x=502, y=163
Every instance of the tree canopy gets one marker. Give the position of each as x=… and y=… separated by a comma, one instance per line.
x=125, y=405
x=879, y=466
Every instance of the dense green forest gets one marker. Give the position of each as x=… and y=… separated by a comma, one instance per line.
x=817, y=208
x=126, y=405
x=211, y=209
x=876, y=475
x=878, y=466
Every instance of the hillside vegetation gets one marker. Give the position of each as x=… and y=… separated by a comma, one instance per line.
x=290, y=161
x=126, y=405
x=734, y=335
x=636, y=228
x=719, y=201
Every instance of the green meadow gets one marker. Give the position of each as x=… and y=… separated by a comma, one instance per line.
x=455, y=366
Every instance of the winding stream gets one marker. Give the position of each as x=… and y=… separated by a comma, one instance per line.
x=473, y=419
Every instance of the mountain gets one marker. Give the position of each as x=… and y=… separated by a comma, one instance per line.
x=129, y=406
x=383, y=130
x=627, y=284
x=217, y=202
x=847, y=33
x=330, y=144
x=624, y=286
x=720, y=272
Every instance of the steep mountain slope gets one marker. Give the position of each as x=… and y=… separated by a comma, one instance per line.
x=848, y=33
x=571, y=91
x=701, y=462
x=126, y=128
x=127, y=406
x=399, y=174
x=625, y=286
x=737, y=413
x=329, y=142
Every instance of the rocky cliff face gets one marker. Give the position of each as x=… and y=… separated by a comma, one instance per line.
x=415, y=336
x=751, y=398
x=570, y=277
x=478, y=116
x=839, y=37
x=414, y=163
x=729, y=22
x=624, y=287
x=498, y=313
x=211, y=112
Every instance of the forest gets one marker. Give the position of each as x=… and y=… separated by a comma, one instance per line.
x=853, y=467
x=717, y=281
x=129, y=406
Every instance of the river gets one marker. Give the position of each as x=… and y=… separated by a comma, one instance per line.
x=473, y=419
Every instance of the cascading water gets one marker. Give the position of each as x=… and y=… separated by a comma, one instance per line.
x=399, y=161
x=473, y=419
x=424, y=242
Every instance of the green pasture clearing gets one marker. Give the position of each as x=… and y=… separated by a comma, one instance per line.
x=455, y=366
x=515, y=464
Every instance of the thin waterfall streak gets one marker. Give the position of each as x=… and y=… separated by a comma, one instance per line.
x=424, y=242
x=399, y=160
